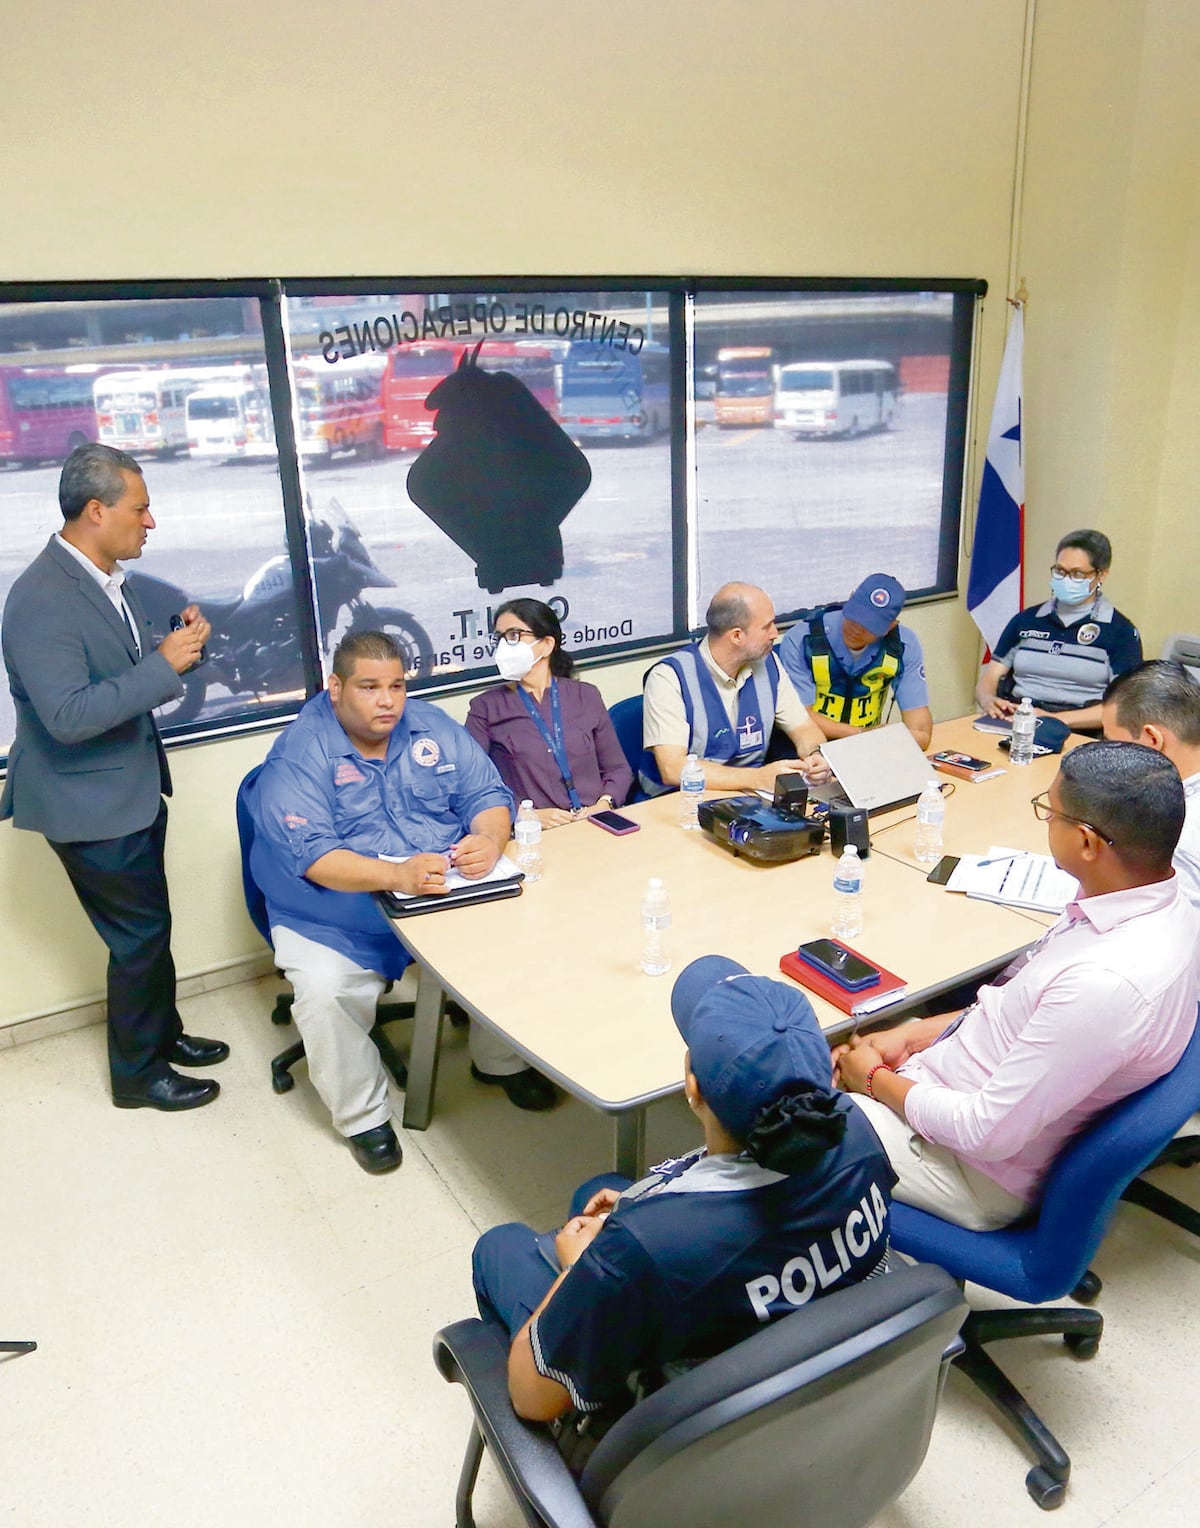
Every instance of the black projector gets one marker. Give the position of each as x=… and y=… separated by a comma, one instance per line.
x=769, y=833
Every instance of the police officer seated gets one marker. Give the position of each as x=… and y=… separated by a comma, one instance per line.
x=787, y=1200
x=720, y=698
x=1065, y=652
x=848, y=662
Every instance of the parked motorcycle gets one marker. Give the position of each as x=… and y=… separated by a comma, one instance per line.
x=255, y=643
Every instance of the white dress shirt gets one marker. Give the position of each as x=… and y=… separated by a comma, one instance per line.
x=110, y=583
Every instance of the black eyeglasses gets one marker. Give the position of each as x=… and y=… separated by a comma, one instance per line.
x=513, y=635
x=1078, y=575
x=1043, y=811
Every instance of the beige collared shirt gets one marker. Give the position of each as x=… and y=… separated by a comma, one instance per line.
x=664, y=718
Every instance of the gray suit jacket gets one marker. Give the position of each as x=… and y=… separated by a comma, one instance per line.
x=87, y=762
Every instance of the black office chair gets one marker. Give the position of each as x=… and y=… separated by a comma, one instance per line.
x=823, y=1417
x=256, y=905
x=1183, y=1151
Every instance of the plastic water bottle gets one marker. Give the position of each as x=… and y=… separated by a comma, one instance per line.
x=656, y=922
x=1024, y=729
x=931, y=814
x=847, y=894
x=528, y=834
x=691, y=788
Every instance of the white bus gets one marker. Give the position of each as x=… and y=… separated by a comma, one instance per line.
x=836, y=397
x=144, y=411
x=229, y=415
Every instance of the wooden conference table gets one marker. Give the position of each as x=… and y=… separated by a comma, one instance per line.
x=556, y=972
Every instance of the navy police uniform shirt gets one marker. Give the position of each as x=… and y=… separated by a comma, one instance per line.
x=689, y=1264
x=317, y=792
x=1067, y=664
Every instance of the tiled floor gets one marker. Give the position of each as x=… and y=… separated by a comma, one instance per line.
x=234, y=1321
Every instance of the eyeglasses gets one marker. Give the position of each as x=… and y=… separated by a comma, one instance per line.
x=1043, y=811
x=513, y=635
x=1076, y=577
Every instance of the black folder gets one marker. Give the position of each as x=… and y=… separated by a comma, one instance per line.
x=462, y=896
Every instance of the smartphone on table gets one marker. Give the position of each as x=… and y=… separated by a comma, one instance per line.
x=943, y=870
x=840, y=964
x=613, y=822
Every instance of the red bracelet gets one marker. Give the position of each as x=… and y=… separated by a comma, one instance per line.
x=880, y=1066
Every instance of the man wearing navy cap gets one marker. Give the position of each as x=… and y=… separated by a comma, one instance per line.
x=845, y=661
x=786, y=1200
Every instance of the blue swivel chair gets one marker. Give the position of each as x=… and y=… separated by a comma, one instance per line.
x=1047, y=1256
x=256, y=905
x=626, y=717
x=823, y=1417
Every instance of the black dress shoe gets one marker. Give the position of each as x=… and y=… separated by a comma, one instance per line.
x=170, y=1092
x=191, y=1050
x=378, y=1150
x=527, y=1089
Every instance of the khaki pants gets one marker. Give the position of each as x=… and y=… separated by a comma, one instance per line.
x=932, y=1178
x=334, y=1010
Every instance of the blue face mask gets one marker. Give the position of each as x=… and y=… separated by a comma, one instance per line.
x=1071, y=591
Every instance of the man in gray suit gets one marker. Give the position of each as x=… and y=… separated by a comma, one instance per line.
x=87, y=768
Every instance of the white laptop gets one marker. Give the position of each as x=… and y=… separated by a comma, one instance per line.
x=877, y=768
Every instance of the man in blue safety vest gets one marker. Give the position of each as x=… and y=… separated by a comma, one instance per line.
x=720, y=698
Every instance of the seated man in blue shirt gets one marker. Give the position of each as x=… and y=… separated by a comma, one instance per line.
x=786, y=1201
x=849, y=660
x=361, y=773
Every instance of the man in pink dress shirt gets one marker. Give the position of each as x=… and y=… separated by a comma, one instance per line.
x=973, y=1107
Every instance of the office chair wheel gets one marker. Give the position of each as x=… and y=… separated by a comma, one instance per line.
x=1047, y=1492
x=282, y=1082
x=282, y=1011
x=1088, y=1289
x=1082, y=1344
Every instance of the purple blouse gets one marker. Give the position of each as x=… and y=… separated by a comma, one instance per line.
x=499, y=723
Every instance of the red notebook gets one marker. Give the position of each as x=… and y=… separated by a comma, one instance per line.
x=889, y=988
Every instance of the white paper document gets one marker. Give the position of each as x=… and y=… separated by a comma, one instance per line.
x=1014, y=879
x=503, y=870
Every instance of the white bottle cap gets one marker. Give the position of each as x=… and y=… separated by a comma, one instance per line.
x=654, y=883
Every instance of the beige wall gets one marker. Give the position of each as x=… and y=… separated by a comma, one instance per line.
x=868, y=137
x=1111, y=219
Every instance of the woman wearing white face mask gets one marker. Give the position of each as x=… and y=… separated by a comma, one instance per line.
x=548, y=734
x=1063, y=653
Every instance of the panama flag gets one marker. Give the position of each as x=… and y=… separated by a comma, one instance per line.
x=995, y=589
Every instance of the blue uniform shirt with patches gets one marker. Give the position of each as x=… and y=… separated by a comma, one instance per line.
x=688, y=1264
x=1067, y=663
x=317, y=793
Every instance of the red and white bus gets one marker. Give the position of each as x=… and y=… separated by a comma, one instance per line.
x=413, y=371
x=45, y=412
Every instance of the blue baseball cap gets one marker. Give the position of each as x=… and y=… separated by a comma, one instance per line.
x=876, y=603
x=751, y=1039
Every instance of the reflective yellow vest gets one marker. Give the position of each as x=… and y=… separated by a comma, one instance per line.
x=854, y=701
